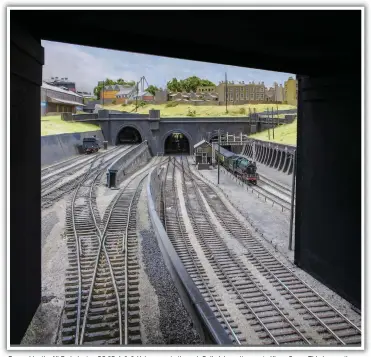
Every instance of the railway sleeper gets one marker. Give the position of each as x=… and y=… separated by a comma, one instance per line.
x=103, y=310
x=101, y=335
x=105, y=326
x=285, y=339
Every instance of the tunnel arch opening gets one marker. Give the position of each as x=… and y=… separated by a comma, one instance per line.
x=128, y=135
x=176, y=143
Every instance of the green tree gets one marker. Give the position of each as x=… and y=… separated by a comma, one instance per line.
x=152, y=89
x=173, y=85
x=206, y=83
x=188, y=84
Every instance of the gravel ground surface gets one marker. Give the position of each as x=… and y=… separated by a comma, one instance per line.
x=248, y=210
x=269, y=220
x=164, y=318
x=44, y=327
x=49, y=220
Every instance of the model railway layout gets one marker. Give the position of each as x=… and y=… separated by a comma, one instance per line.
x=253, y=295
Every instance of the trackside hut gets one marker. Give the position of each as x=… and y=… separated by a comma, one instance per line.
x=202, y=152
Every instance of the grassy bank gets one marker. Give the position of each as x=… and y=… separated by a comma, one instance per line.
x=52, y=125
x=284, y=134
x=183, y=110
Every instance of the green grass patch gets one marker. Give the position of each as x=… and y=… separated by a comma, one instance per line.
x=53, y=125
x=284, y=134
x=182, y=110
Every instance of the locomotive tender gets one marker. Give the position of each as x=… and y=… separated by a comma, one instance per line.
x=90, y=145
x=238, y=165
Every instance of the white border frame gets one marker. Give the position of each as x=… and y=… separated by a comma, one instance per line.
x=169, y=348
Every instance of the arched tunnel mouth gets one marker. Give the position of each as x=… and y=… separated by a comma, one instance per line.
x=128, y=135
x=177, y=143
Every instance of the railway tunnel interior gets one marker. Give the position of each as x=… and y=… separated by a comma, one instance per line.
x=128, y=135
x=319, y=53
x=176, y=143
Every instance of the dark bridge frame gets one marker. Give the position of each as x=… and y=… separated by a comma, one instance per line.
x=328, y=197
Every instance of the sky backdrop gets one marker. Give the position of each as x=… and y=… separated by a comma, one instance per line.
x=87, y=65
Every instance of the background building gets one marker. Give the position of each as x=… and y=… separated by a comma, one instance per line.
x=241, y=92
x=63, y=83
x=279, y=92
x=125, y=94
x=143, y=96
x=58, y=100
x=206, y=89
x=108, y=93
x=291, y=91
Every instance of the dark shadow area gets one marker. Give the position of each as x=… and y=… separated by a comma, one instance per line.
x=128, y=135
x=176, y=143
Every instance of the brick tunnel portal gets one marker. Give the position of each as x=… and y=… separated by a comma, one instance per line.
x=176, y=143
x=128, y=135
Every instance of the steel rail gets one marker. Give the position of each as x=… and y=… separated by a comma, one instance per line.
x=196, y=266
x=199, y=200
x=102, y=246
x=295, y=277
x=78, y=248
x=283, y=206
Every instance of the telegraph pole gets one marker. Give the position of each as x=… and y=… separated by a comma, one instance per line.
x=226, y=93
x=136, y=102
x=272, y=123
x=269, y=133
x=218, y=155
x=103, y=95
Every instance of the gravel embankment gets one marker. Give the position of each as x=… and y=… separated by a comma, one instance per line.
x=164, y=318
x=44, y=327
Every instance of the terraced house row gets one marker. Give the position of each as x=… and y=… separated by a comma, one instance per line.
x=241, y=93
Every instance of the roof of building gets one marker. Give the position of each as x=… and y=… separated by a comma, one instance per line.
x=57, y=89
x=125, y=90
x=117, y=87
x=64, y=101
x=202, y=142
x=143, y=93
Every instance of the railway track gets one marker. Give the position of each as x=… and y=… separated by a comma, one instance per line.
x=177, y=234
x=57, y=166
x=273, y=325
x=328, y=325
x=282, y=200
x=283, y=189
x=62, y=168
x=102, y=298
x=98, y=163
